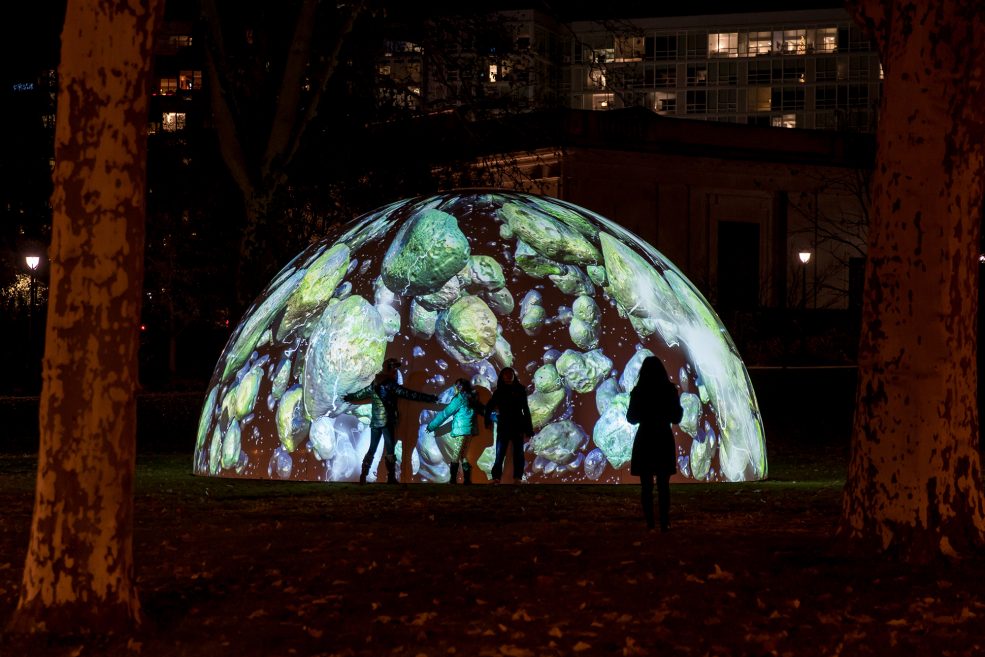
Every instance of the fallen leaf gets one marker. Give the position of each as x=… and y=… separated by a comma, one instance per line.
x=521, y=614
x=723, y=575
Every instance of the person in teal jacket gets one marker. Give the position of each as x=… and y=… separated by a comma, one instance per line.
x=462, y=410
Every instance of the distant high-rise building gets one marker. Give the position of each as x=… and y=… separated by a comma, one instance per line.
x=793, y=69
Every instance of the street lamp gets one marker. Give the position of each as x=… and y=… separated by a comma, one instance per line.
x=805, y=257
x=32, y=262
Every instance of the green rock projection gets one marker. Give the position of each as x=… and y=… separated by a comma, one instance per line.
x=461, y=285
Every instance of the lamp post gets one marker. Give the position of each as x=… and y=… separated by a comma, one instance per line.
x=805, y=257
x=32, y=262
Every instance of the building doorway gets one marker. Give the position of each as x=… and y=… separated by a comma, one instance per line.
x=738, y=266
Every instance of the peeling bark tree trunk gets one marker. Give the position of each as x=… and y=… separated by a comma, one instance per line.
x=914, y=481
x=78, y=575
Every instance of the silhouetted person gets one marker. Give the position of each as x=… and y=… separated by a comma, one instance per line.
x=508, y=408
x=383, y=393
x=654, y=405
x=462, y=410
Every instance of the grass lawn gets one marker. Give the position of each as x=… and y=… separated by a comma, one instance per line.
x=265, y=568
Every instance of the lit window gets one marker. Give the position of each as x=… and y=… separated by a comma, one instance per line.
x=172, y=121
x=723, y=44
x=760, y=43
x=596, y=77
x=759, y=99
x=190, y=80
x=663, y=102
x=168, y=86
x=180, y=40
x=602, y=101
x=384, y=69
x=794, y=42
x=628, y=49
x=493, y=72
x=784, y=121
x=826, y=39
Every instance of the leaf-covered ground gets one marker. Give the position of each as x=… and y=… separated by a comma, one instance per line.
x=261, y=568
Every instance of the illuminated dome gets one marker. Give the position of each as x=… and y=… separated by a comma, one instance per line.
x=459, y=285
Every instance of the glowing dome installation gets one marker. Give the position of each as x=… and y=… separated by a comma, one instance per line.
x=462, y=284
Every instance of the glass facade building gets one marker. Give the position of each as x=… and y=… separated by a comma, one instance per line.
x=796, y=69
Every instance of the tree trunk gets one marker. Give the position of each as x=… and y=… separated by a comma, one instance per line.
x=914, y=481
x=78, y=575
x=256, y=264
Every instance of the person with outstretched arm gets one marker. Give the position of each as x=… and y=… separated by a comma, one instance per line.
x=461, y=410
x=384, y=393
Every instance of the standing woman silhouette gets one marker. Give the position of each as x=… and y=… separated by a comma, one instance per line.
x=654, y=405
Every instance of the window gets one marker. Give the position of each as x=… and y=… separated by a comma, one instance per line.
x=826, y=97
x=858, y=67
x=723, y=73
x=760, y=72
x=826, y=39
x=760, y=43
x=793, y=42
x=788, y=98
x=660, y=47
x=784, y=121
x=172, y=121
x=759, y=99
x=697, y=75
x=493, y=72
x=601, y=101
x=180, y=40
x=383, y=69
x=825, y=68
x=665, y=76
x=628, y=49
x=825, y=121
x=663, y=102
x=596, y=78
x=726, y=101
x=190, y=80
x=697, y=45
x=723, y=44
x=793, y=70
x=853, y=95
x=168, y=86
x=697, y=101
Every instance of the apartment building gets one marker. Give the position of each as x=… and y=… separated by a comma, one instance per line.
x=809, y=69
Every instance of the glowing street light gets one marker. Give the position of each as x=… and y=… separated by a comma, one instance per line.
x=804, y=257
x=33, y=262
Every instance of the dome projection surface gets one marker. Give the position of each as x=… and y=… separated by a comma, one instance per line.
x=461, y=285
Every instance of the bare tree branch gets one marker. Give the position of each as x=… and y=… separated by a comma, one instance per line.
x=225, y=121
x=331, y=63
x=288, y=99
